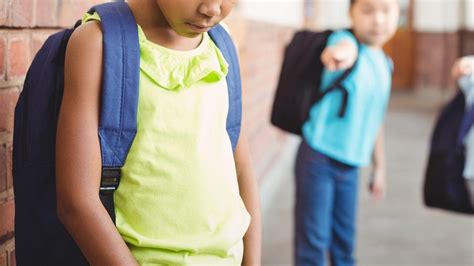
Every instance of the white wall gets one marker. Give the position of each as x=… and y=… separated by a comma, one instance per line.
x=334, y=14
x=437, y=15
x=331, y=14
x=283, y=12
x=469, y=15
x=428, y=15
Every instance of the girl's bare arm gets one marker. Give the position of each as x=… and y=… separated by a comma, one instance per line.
x=249, y=193
x=78, y=159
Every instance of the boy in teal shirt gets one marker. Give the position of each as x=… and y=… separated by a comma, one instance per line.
x=334, y=148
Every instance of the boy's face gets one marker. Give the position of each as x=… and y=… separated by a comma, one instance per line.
x=193, y=17
x=375, y=21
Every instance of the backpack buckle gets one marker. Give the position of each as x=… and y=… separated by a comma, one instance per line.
x=110, y=179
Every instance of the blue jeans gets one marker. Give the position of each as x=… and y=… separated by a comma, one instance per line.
x=326, y=198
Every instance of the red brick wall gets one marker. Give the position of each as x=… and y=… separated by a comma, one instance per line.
x=24, y=26
x=261, y=56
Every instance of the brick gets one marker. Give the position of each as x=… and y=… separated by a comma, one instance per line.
x=4, y=14
x=9, y=168
x=3, y=167
x=22, y=13
x=3, y=44
x=18, y=56
x=8, y=99
x=46, y=13
x=7, y=212
x=12, y=261
x=72, y=10
x=3, y=258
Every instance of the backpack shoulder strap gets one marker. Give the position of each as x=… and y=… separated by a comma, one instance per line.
x=234, y=83
x=121, y=74
x=118, y=117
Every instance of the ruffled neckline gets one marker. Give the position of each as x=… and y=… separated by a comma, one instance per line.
x=174, y=70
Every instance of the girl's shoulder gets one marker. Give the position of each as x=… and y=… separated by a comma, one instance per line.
x=88, y=35
x=83, y=61
x=87, y=39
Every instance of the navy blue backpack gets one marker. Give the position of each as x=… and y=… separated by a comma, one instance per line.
x=41, y=239
x=444, y=185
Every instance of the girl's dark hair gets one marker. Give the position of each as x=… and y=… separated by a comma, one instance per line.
x=353, y=2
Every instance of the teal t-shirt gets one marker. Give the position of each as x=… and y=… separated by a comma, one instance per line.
x=351, y=139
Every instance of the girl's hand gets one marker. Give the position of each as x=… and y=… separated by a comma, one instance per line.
x=463, y=66
x=378, y=184
x=340, y=56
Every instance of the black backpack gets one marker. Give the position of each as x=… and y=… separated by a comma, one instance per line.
x=300, y=78
x=444, y=185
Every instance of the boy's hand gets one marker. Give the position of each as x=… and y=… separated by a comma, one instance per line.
x=463, y=66
x=378, y=184
x=340, y=56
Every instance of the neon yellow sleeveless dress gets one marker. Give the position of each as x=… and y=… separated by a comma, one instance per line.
x=178, y=202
